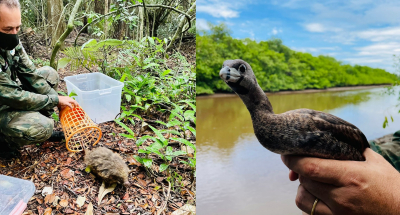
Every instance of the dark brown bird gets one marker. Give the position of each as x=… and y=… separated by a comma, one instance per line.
x=107, y=165
x=297, y=132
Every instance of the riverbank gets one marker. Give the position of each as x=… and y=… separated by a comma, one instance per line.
x=216, y=95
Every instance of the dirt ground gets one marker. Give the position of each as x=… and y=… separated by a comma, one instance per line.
x=51, y=165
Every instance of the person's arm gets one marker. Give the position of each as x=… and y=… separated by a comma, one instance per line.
x=27, y=74
x=12, y=95
x=346, y=187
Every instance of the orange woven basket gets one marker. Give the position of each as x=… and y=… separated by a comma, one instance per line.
x=80, y=131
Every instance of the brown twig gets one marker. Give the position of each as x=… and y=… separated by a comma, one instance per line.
x=164, y=204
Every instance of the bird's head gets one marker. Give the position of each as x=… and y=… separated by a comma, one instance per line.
x=239, y=76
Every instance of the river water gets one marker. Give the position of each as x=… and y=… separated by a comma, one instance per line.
x=236, y=175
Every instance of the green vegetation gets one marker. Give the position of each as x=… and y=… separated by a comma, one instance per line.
x=276, y=66
x=151, y=88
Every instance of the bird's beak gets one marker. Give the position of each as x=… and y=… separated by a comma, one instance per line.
x=229, y=74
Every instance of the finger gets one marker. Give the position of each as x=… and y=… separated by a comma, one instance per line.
x=320, y=190
x=293, y=176
x=305, y=201
x=69, y=105
x=318, y=169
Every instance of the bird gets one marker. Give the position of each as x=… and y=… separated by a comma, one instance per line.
x=302, y=132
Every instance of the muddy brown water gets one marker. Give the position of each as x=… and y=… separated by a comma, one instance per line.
x=236, y=175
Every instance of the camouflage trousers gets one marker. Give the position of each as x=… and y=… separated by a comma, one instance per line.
x=18, y=128
x=390, y=150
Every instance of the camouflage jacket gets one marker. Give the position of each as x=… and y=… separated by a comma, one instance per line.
x=389, y=150
x=34, y=93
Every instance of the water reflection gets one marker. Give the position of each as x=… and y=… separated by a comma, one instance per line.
x=236, y=175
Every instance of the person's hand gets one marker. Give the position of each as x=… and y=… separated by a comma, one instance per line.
x=346, y=187
x=66, y=101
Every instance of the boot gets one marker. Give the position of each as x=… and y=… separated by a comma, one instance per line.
x=56, y=136
x=7, y=152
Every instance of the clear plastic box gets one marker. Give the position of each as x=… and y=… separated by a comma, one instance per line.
x=14, y=195
x=98, y=95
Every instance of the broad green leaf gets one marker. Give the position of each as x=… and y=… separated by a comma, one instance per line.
x=127, y=136
x=172, y=132
x=192, y=130
x=62, y=93
x=162, y=123
x=147, y=162
x=128, y=97
x=55, y=117
x=143, y=151
x=125, y=127
x=89, y=44
x=173, y=122
x=166, y=72
x=72, y=94
x=184, y=142
x=63, y=62
x=177, y=153
x=150, y=65
x=158, y=133
x=139, y=159
x=144, y=138
x=151, y=41
x=163, y=167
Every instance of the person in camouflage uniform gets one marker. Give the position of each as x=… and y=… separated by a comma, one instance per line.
x=389, y=148
x=27, y=95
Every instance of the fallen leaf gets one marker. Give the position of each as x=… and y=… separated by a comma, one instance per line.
x=40, y=201
x=89, y=210
x=67, y=173
x=126, y=196
x=68, y=161
x=55, y=202
x=49, y=198
x=47, y=190
x=103, y=191
x=185, y=210
x=80, y=201
x=48, y=211
x=133, y=161
x=64, y=202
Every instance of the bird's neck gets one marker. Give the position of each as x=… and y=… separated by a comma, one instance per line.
x=256, y=101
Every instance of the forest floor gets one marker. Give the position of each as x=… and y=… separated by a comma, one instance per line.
x=50, y=166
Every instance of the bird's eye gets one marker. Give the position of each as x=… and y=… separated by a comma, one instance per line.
x=242, y=68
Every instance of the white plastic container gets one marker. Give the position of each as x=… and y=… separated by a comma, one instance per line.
x=98, y=95
x=15, y=193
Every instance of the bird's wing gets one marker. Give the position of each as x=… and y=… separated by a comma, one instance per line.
x=339, y=128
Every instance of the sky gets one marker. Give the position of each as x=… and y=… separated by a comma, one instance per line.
x=363, y=32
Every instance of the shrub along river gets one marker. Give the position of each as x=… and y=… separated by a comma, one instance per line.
x=236, y=175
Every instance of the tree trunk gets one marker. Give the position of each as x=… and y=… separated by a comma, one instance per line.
x=99, y=6
x=54, y=13
x=179, y=32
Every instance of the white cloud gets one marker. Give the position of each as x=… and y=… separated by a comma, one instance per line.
x=379, y=49
x=316, y=50
x=320, y=28
x=275, y=31
x=315, y=27
x=391, y=33
x=218, y=10
x=201, y=24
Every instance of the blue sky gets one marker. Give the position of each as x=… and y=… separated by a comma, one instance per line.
x=353, y=31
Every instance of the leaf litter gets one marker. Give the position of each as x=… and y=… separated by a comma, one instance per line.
x=64, y=187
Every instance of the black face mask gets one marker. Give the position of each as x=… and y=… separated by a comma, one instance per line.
x=8, y=41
